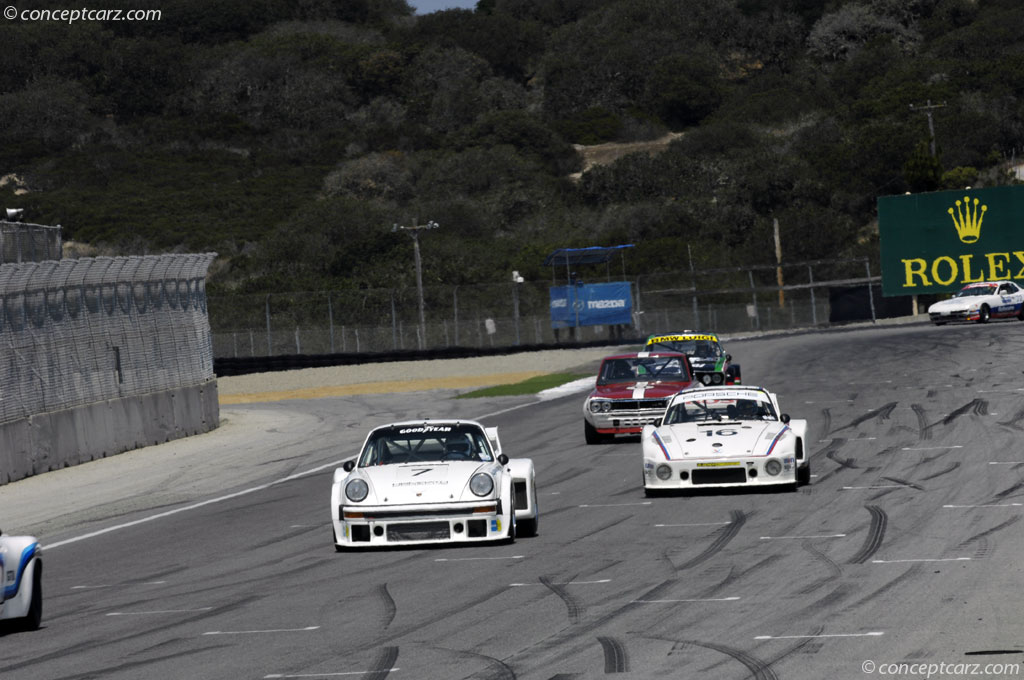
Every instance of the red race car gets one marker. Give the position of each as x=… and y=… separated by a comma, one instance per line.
x=632, y=391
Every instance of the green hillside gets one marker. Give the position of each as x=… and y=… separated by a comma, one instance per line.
x=289, y=136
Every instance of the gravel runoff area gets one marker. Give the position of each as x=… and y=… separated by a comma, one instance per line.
x=405, y=376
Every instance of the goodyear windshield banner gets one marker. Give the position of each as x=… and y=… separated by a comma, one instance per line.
x=591, y=304
x=938, y=242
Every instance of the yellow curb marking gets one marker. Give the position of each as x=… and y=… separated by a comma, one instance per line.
x=385, y=387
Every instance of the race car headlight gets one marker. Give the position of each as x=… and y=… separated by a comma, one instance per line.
x=481, y=484
x=664, y=472
x=706, y=379
x=356, y=490
x=606, y=406
x=595, y=406
x=717, y=378
x=773, y=467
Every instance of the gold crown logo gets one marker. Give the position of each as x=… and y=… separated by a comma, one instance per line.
x=966, y=221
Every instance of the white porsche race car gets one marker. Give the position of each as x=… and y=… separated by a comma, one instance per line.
x=980, y=302
x=433, y=481
x=21, y=576
x=724, y=437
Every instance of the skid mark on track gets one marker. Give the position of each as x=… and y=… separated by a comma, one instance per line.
x=897, y=480
x=833, y=568
x=876, y=532
x=1014, y=421
x=844, y=463
x=388, y=603
x=725, y=534
x=923, y=431
x=951, y=468
x=1010, y=491
x=978, y=407
x=572, y=605
x=615, y=658
x=759, y=670
x=570, y=474
x=496, y=668
x=382, y=665
x=988, y=532
x=882, y=414
x=910, y=574
x=826, y=420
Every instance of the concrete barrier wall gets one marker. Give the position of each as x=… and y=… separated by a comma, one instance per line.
x=58, y=439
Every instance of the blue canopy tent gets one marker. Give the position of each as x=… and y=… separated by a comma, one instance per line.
x=596, y=304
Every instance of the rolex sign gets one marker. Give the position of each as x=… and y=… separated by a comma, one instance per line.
x=938, y=242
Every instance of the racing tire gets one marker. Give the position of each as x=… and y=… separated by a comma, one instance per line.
x=1020, y=313
x=591, y=434
x=528, y=527
x=512, y=529
x=334, y=537
x=984, y=314
x=34, y=617
x=943, y=323
x=803, y=475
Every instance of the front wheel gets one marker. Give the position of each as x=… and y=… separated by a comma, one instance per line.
x=984, y=314
x=591, y=434
x=803, y=475
x=34, y=617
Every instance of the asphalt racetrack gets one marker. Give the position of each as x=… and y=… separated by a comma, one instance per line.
x=907, y=547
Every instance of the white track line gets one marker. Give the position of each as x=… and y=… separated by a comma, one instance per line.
x=931, y=448
x=567, y=583
x=616, y=505
x=829, y=635
x=161, y=611
x=260, y=632
x=881, y=486
x=993, y=505
x=470, y=559
x=186, y=508
x=776, y=538
x=931, y=559
x=330, y=675
x=710, y=599
x=701, y=524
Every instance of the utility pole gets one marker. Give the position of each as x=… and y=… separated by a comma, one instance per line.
x=414, y=232
x=927, y=109
x=778, y=262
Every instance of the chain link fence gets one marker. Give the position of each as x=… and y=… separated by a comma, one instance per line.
x=81, y=331
x=725, y=300
x=29, y=242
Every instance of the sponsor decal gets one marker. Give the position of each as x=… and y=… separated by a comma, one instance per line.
x=673, y=338
x=434, y=482
x=722, y=464
x=424, y=429
x=559, y=303
x=606, y=304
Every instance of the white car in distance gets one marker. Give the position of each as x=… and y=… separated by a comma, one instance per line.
x=980, y=302
x=432, y=481
x=729, y=436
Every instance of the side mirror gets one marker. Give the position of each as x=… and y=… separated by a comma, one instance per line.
x=784, y=417
x=349, y=466
x=657, y=422
x=503, y=459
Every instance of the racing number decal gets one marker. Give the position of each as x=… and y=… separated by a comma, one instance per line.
x=721, y=433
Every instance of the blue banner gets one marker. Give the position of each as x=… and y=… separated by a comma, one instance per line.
x=591, y=304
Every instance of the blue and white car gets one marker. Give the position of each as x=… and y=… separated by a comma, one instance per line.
x=433, y=481
x=21, y=573
x=729, y=436
x=980, y=302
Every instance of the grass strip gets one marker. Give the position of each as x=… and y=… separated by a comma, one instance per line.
x=528, y=386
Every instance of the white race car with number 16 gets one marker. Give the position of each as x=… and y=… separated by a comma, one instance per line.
x=724, y=437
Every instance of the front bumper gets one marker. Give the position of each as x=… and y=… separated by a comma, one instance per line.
x=627, y=416
x=959, y=315
x=741, y=471
x=356, y=526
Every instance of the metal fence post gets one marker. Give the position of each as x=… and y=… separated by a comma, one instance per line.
x=455, y=305
x=871, y=297
x=753, y=297
x=394, y=323
x=270, y=344
x=814, y=308
x=330, y=319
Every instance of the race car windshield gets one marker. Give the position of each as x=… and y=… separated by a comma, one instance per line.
x=715, y=410
x=976, y=290
x=642, y=369
x=426, y=443
x=704, y=349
